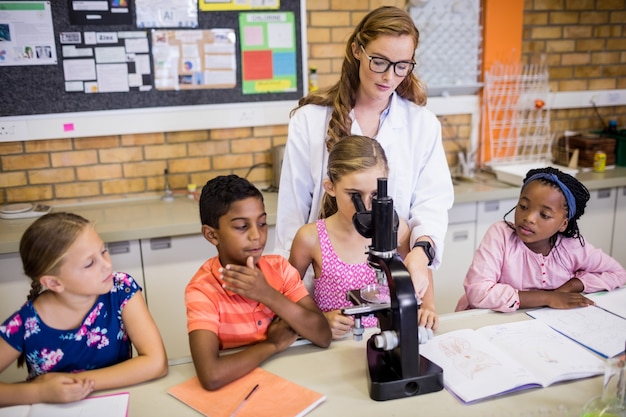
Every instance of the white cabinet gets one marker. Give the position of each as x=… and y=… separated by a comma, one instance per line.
x=490, y=212
x=618, y=249
x=168, y=265
x=126, y=257
x=596, y=224
x=457, y=257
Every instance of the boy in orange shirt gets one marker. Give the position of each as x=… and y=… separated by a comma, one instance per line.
x=240, y=297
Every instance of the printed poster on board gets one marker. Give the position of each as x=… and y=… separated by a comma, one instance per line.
x=194, y=59
x=229, y=5
x=106, y=62
x=268, y=52
x=166, y=13
x=26, y=33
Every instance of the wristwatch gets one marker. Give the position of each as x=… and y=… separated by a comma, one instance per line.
x=428, y=250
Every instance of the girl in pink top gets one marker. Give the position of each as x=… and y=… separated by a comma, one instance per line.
x=333, y=247
x=541, y=259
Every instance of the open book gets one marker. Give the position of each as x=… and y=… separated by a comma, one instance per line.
x=114, y=405
x=274, y=397
x=612, y=301
x=591, y=326
x=500, y=359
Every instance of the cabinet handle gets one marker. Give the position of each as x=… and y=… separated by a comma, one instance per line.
x=160, y=243
x=460, y=236
x=117, y=248
x=604, y=193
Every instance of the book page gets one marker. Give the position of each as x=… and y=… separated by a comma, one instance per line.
x=474, y=368
x=547, y=354
x=275, y=396
x=591, y=326
x=114, y=405
x=611, y=301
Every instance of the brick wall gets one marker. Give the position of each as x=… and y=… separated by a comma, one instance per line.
x=584, y=41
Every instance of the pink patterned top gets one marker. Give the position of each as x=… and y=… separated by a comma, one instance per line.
x=338, y=277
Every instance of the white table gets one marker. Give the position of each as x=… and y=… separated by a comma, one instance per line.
x=340, y=372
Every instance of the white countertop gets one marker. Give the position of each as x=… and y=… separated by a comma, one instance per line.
x=144, y=218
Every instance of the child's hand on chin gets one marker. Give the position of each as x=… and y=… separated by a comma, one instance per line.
x=247, y=281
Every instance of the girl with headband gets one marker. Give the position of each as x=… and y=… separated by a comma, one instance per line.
x=541, y=259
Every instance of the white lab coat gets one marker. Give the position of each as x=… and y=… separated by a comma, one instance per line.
x=419, y=178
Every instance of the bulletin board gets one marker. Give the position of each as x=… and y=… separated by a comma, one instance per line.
x=37, y=101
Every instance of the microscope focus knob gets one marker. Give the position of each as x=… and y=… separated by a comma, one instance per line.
x=386, y=340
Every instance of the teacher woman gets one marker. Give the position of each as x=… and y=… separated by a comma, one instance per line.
x=378, y=96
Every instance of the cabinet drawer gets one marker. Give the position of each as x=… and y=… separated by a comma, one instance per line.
x=462, y=213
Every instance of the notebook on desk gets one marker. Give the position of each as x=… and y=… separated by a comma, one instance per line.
x=611, y=301
x=113, y=405
x=593, y=327
x=275, y=397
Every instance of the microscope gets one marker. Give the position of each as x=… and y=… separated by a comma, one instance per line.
x=395, y=367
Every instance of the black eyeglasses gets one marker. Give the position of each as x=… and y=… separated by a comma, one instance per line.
x=381, y=65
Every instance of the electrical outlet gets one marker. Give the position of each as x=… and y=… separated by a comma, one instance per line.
x=12, y=130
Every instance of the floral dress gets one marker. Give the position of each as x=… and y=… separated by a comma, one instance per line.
x=100, y=340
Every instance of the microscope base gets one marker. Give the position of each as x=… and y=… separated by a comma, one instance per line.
x=385, y=384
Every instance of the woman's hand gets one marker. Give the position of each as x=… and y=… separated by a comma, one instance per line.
x=428, y=317
x=416, y=263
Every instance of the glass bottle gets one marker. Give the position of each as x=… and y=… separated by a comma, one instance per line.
x=612, y=403
x=313, y=86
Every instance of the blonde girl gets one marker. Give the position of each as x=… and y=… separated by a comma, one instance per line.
x=75, y=330
x=333, y=247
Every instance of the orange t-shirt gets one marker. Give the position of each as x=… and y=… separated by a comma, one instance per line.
x=237, y=320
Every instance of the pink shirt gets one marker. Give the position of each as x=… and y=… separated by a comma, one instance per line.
x=237, y=320
x=503, y=265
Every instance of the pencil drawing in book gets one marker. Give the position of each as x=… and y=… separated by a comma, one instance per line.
x=500, y=359
x=466, y=359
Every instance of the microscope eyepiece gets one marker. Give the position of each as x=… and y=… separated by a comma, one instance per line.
x=358, y=202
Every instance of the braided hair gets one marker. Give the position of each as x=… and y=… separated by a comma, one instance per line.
x=43, y=247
